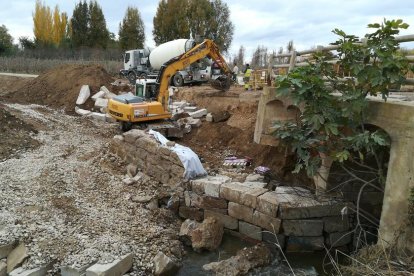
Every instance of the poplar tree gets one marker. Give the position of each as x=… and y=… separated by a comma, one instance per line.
x=98, y=34
x=80, y=25
x=42, y=24
x=131, y=30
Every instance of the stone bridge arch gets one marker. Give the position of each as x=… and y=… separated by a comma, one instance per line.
x=397, y=119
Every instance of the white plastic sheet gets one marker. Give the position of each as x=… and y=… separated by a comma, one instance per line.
x=191, y=162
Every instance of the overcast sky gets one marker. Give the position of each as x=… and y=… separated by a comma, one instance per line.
x=271, y=23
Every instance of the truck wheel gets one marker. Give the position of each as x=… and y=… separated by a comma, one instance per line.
x=132, y=77
x=143, y=76
x=178, y=80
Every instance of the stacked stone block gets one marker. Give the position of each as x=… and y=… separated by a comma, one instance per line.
x=141, y=149
x=289, y=216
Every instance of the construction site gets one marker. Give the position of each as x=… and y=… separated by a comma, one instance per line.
x=139, y=174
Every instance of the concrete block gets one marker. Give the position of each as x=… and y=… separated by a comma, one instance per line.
x=269, y=223
x=250, y=230
x=74, y=271
x=191, y=213
x=338, y=238
x=180, y=105
x=3, y=268
x=311, y=228
x=108, y=94
x=16, y=257
x=99, y=103
x=242, y=194
x=117, y=267
x=199, y=113
x=209, y=118
x=304, y=244
x=187, y=129
x=335, y=224
x=97, y=116
x=240, y=212
x=5, y=249
x=40, y=271
x=84, y=94
x=82, y=112
x=98, y=95
x=190, y=108
x=227, y=221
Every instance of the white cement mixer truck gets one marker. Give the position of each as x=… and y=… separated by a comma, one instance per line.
x=146, y=63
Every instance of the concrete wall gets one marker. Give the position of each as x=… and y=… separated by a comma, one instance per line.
x=397, y=119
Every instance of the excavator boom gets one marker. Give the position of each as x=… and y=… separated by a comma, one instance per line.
x=136, y=109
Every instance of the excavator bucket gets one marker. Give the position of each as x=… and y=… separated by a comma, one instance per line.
x=222, y=83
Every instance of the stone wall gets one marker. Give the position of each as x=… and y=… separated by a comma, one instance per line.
x=142, y=150
x=290, y=216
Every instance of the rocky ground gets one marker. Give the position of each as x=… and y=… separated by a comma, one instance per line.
x=66, y=200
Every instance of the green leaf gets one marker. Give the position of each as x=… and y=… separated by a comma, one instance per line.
x=342, y=155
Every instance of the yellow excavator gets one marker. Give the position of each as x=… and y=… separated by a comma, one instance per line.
x=150, y=102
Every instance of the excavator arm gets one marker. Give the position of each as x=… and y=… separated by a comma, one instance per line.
x=205, y=49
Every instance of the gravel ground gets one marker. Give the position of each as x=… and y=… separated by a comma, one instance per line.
x=66, y=201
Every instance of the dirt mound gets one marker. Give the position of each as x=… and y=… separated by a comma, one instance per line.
x=59, y=88
x=15, y=135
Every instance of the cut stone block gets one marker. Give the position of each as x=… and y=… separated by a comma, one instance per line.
x=310, y=209
x=227, y=221
x=207, y=202
x=338, y=238
x=97, y=116
x=16, y=257
x=220, y=116
x=40, y=271
x=311, y=228
x=5, y=249
x=117, y=267
x=175, y=132
x=304, y=244
x=209, y=185
x=84, y=94
x=199, y=113
x=82, y=112
x=190, y=108
x=180, y=105
x=98, y=95
x=269, y=223
x=242, y=194
x=250, y=230
x=335, y=224
x=240, y=212
x=267, y=203
x=99, y=103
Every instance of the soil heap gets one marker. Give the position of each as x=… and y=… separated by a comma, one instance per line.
x=15, y=134
x=59, y=88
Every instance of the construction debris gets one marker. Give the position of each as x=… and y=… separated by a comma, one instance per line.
x=98, y=95
x=84, y=94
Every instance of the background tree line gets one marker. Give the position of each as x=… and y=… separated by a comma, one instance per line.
x=85, y=34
